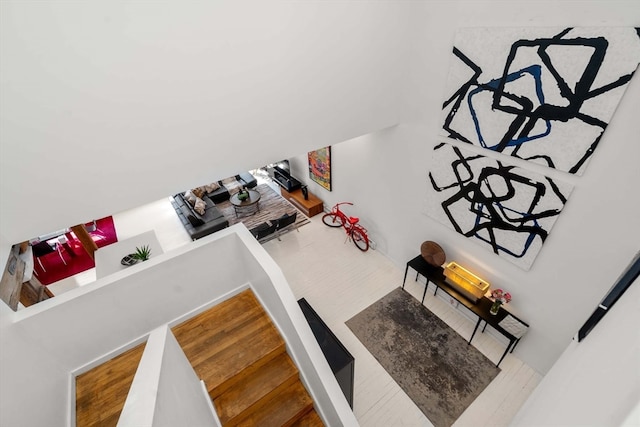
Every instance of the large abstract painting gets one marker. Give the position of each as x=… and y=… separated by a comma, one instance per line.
x=507, y=209
x=540, y=94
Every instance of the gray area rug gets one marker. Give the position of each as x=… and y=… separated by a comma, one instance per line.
x=434, y=365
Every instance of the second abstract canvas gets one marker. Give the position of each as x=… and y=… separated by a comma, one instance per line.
x=507, y=209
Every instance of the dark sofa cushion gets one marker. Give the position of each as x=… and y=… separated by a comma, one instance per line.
x=196, y=222
x=219, y=195
x=247, y=179
x=188, y=213
x=199, y=225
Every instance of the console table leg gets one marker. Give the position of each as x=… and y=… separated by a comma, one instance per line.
x=424, y=294
x=406, y=270
x=474, y=330
x=503, y=355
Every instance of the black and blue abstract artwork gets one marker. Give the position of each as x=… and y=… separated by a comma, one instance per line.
x=505, y=208
x=540, y=94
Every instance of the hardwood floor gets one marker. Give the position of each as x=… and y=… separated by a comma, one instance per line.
x=102, y=391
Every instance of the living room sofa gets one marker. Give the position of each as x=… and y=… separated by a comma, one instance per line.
x=200, y=225
x=247, y=180
x=210, y=219
x=219, y=195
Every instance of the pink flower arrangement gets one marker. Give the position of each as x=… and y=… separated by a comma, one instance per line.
x=500, y=295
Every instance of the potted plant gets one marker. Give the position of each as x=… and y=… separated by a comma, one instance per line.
x=499, y=297
x=243, y=194
x=143, y=253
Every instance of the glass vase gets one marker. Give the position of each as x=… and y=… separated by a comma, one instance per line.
x=495, y=307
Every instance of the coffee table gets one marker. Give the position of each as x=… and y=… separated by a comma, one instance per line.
x=250, y=204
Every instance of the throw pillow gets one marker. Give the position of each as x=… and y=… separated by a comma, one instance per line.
x=198, y=191
x=210, y=188
x=230, y=180
x=200, y=206
x=195, y=221
x=190, y=198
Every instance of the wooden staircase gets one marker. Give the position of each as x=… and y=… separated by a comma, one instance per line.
x=235, y=348
x=102, y=391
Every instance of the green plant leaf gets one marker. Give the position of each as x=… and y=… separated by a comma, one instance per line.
x=142, y=253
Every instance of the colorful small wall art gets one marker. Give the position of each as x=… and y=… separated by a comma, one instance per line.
x=540, y=94
x=507, y=209
x=320, y=167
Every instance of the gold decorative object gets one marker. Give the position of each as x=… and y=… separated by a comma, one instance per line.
x=465, y=282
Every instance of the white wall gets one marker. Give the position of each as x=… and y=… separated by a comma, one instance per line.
x=597, y=381
x=211, y=90
x=385, y=175
x=110, y=105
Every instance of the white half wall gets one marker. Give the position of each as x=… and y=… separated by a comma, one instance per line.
x=166, y=390
x=43, y=346
x=180, y=398
x=275, y=295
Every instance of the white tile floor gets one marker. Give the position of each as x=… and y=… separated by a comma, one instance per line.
x=339, y=281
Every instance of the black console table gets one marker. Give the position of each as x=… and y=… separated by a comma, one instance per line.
x=340, y=360
x=435, y=275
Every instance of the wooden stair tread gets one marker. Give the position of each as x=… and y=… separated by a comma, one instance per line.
x=249, y=395
x=227, y=339
x=102, y=391
x=284, y=409
x=222, y=317
x=310, y=419
x=238, y=352
x=207, y=346
x=222, y=369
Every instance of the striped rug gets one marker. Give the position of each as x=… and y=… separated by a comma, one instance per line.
x=272, y=206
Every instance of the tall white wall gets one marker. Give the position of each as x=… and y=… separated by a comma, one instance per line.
x=109, y=105
x=597, y=381
x=597, y=234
